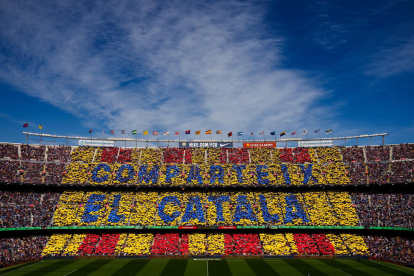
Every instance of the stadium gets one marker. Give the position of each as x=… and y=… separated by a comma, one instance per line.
x=206, y=138
x=251, y=210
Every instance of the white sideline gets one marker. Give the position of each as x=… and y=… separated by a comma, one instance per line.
x=344, y=272
x=20, y=268
x=392, y=267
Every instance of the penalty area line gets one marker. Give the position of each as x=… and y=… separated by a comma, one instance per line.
x=392, y=267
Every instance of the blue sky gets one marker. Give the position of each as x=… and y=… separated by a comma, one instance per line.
x=231, y=65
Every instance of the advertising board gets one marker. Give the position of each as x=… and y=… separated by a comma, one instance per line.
x=321, y=143
x=206, y=144
x=96, y=143
x=259, y=145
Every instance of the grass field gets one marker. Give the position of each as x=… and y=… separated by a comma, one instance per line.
x=184, y=267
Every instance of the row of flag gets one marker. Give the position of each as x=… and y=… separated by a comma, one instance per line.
x=230, y=134
x=198, y=132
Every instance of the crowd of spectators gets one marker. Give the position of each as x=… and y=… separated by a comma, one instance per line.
x=9, y=151
x=206, y=167
x=26, y=209
x=357, y=173
x=401, y=172
x=36, y=153
x=15, y=250
x=402, y=152
x=172, y=208
x=172, y=155
x=377, y=153
x=58, y=154
x=396, y=249
x=124, y=156
x=10, y=171
x=199, y=243
x=378, y=173
x=32, y=172
x=353, y=155
x=54, y=173
x=384, y=210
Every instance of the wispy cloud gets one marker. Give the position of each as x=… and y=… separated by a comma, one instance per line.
x=144, y=64
x=392, y=61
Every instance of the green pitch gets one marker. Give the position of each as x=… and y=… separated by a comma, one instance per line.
x=229, y=267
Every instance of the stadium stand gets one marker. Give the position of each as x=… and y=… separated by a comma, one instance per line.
x=260, y=192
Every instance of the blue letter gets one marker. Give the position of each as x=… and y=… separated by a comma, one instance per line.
x=261, y=174
x=145, y=176
x=91, y=207
x=292, y=201
x=121, y=170
x=285, y=173
x=239, y=170
x=218, y=200
x=170, y=174
x=197, y=214
x=113, y=216
x=267, y=217
x=95, y=172
x=168, y=199
x=214, y=175
x=194, y=175
x=243, y=209
x=308, y=174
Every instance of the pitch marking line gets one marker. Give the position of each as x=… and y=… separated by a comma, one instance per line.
x=19, y=269
x=392, y=267
x=344, y=272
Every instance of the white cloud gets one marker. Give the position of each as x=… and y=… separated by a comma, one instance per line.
x=155, y=65
x=393, y=61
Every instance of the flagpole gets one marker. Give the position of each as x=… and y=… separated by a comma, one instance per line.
x=125, y=139
x=41, y=132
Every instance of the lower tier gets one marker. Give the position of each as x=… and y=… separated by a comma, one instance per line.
x=392, y=248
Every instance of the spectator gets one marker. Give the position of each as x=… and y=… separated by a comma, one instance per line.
x=58, y=154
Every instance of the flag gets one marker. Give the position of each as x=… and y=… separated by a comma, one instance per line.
x=230, y=134
x=123, y=132
x=135, y=132
x=166, y=133
x=177, y=133
x=187, y=132
x=261, y=133
x=145, y=132
x=112, y=131
x=283, y=133
x=304, y=132
x=90, y=131
x=317, y=131
x=252, y=133
x=26, y=125
x=198, y=132
x=294, y=133
x=240, y=133
x=273, y=133
x=154, y=132
x=208, y=131
x=218, y=132
x=40, y=126
x=328, y=131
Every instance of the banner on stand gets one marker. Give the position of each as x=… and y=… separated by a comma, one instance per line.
x=96, y=143
x=310, y=144
x=206, y=144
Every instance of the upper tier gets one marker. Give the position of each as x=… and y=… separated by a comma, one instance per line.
x=206, y=166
